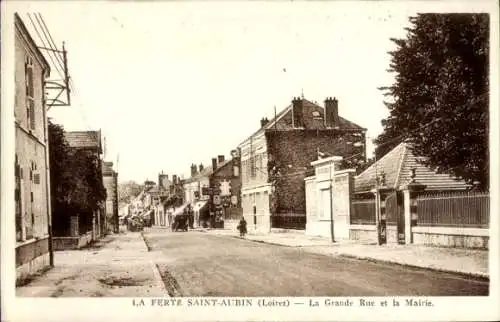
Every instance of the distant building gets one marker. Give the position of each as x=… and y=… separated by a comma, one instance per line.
x=110, y=181
x=32, y=196
x=275, y=159
x=221, y=180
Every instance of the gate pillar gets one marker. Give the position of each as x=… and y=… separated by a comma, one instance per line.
x=410, y=193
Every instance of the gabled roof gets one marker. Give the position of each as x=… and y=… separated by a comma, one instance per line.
x=84, y=139
x=397, y=165
x=283, y=120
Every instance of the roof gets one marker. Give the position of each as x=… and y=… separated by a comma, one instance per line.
x=84, y=139
x=283, y=120
x=20, y=24
x=208, y=171
x=397, y=165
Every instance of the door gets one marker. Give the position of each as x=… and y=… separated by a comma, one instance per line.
x=395, y=213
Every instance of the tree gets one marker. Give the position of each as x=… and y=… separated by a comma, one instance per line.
x=129, y=190
x=439, y=101
x=76, y=179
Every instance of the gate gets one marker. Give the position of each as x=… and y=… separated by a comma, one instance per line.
x=394, y=213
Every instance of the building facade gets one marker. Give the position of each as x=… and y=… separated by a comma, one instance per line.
x=32, y=194
x=215, y=191
x=276, y=158
x=110, y=181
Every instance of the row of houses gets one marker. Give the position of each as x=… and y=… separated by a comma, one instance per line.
x=278, y=178
x=38, y=232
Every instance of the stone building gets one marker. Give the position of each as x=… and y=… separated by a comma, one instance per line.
x=110, y=181
x=222, y=179
x=275, y=159
x=32, y=193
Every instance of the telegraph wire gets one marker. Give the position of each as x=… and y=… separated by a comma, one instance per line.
x=51, y=40
x=43, y=43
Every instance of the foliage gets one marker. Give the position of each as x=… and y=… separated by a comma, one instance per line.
x=129, y=190
x=76, y=175
x=439, y=101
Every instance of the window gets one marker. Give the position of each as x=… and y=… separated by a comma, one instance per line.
x=18, y=201
x=30, y=93
x=253, y=167
x=236, y=171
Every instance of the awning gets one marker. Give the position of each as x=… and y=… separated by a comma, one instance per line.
x=199, y=205
x=180, y=210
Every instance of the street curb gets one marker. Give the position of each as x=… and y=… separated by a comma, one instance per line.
x=159, y=280
x=438, y=269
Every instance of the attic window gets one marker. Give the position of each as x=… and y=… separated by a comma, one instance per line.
x=316, y=115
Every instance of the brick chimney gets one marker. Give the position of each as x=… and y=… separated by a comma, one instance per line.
x=194, y=170
x=220, y=159
x=298, y=112
x=214, y=163
x=201, y=167
x=331, y=112
x=263, y=121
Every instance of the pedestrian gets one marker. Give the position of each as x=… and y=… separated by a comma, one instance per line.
x=242, y=227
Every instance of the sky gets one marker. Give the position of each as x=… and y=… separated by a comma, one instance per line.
x=170, y=84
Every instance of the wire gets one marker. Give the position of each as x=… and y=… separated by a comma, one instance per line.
x=61, y=63
x=43, y=43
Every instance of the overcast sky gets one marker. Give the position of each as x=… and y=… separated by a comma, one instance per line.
x=170, y=84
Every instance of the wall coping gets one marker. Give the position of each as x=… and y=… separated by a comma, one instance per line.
x=31, y=241
x=456, y=231
x=326, y=160
x=341, y=172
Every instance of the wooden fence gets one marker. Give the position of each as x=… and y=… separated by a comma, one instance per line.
x=363, y=211
x=454, y=209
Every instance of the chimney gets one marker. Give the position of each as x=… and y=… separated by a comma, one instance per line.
x=331, y=112
x=214, y=163
x=201, y=167
x=298, y=112
x=193, y=170
x=220, y=159
x=174, y=179
x=263, y=121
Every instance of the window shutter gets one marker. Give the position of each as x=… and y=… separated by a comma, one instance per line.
x=36, y=178
x=32, y=114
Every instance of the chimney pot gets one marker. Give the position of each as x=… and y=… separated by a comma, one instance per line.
x=298, y=112
x=214, y=163
x=263, y=122
x=331, y=112
x=220, y=159
x=201, y=167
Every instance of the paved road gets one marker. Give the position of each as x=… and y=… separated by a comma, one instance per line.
x=199, y=264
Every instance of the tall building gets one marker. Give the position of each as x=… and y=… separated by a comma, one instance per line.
x=276, y=158
x=32, y=194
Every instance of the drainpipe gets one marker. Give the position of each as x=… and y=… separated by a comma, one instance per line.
x=47, y=178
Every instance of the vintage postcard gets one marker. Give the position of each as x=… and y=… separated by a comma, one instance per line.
x=250, y=160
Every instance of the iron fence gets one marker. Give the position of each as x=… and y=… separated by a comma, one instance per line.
x=454, y=209
x=288, y=221
x=363, y=211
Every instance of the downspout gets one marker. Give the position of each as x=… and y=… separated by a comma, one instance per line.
x=47, y=169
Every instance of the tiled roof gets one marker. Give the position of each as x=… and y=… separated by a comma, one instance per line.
x=397, y=165
x=207, y=171
x=84, y=139
x=311, y=122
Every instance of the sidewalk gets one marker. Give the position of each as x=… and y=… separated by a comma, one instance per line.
x=118, y=265
x=463, y=261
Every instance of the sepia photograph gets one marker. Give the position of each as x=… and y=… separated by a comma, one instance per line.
x=250, y=155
